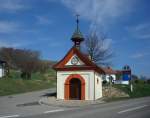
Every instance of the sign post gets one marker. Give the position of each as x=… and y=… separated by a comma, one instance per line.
x=131, y=83
x=127, y=76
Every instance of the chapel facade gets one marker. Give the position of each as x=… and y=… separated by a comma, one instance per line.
x=78, y=78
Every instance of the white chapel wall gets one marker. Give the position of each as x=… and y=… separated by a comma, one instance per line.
x=98, y=85
x=89, y=83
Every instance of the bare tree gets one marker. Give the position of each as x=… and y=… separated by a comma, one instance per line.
x=95, y=46
x=7, y=54
x=27, y=61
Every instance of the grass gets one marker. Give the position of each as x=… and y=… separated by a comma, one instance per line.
x=139, y=90
x=14, y=84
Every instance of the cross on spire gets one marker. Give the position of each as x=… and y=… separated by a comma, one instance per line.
x=77, y=20
x=77, y=36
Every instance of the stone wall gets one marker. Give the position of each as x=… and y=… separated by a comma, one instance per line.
x=109, y=91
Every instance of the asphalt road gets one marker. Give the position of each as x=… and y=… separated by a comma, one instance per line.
x=133, y=108
x=26, y=106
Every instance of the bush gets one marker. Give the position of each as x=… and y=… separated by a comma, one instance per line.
x=104, y=82
x=136, y=81
x=148, y=81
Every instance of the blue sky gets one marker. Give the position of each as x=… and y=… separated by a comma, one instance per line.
x=47, y=25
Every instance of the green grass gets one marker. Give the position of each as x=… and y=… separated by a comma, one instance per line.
x=14, y=74
x=14, y=84
x=139, y=90
x=50, y=73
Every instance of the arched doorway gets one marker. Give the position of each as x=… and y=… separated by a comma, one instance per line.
x=74, y=87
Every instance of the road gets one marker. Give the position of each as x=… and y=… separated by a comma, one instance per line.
x=26, y=106
x=135, y=108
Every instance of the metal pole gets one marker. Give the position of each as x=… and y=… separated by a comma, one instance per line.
x=131, y=84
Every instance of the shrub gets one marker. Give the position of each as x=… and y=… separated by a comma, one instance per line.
x=104, y=82
x=148, y=81
x=136, y=81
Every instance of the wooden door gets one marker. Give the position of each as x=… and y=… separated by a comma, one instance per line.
x=75, y=89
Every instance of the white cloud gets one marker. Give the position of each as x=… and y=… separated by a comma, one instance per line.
x=43, y=20
x=140, y=55
x=100, y=12
x=10, y=44
x=11, y=5
x=8, y=27
x=107, y=43
x=135, y=56
x=140, y=31
x=15, y=27
x=55, y=44
x=16, y=43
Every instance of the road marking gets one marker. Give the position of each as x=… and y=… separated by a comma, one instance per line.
x=12, y=116
x=132, y=109
x=52, y=111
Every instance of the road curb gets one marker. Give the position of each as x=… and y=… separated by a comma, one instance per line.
x=68, y=103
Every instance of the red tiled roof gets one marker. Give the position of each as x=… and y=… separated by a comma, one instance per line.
x=89, y=65
x=109, y=70
x=118, y=72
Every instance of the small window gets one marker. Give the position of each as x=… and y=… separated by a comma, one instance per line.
x=97, y=81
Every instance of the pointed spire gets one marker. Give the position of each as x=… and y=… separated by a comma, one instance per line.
x=77, y=36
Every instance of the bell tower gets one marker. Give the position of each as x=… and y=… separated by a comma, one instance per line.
x=77, y=36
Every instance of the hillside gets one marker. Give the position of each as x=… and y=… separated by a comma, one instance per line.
x=15, y=84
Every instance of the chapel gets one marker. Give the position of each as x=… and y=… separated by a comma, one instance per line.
x=78, y=78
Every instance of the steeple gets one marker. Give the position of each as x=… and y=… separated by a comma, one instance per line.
x=77, y=36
